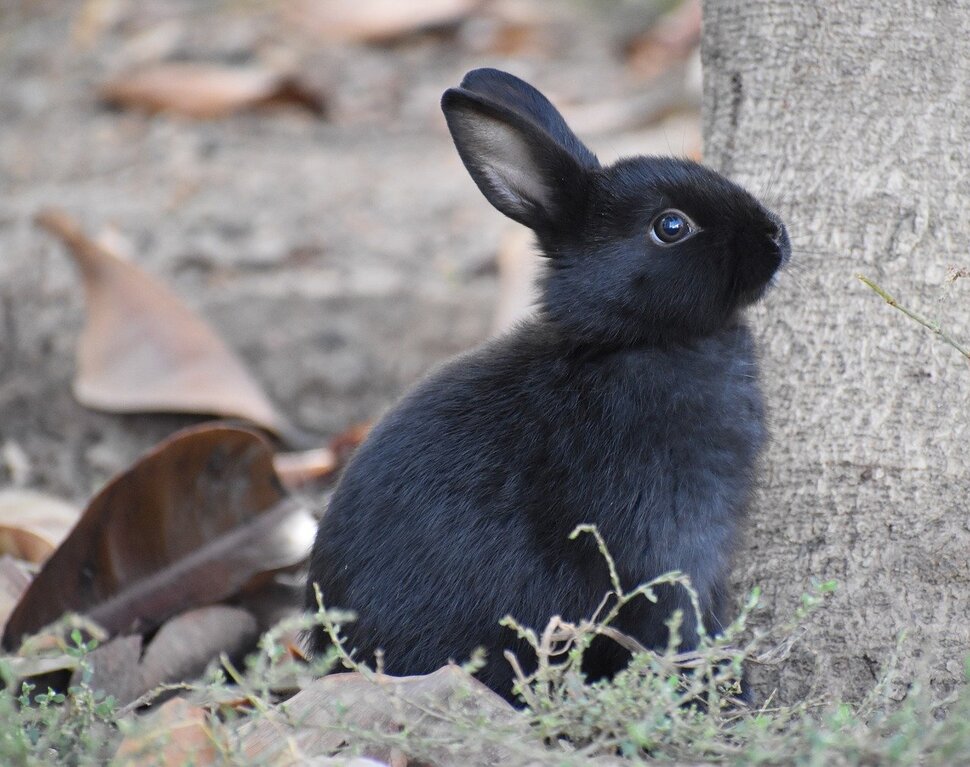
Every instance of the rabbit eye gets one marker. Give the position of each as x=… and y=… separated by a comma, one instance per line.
x=671, y=226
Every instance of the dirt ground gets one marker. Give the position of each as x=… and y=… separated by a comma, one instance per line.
x=341, y=256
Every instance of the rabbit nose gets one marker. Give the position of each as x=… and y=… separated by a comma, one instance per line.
x=780, y=238
x=774, y=229
x=778, y=234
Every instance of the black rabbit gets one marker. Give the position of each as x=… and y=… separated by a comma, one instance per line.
x=630, y=401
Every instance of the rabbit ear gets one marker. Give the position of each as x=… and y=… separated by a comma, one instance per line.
x=520, y=97
x=522, y=170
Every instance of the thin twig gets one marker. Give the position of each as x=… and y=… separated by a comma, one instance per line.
x=926, y=323
x=333, y=632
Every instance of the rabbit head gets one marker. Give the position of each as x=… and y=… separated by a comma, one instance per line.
x=647, y=250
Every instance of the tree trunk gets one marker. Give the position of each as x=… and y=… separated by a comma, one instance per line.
x=853, y=121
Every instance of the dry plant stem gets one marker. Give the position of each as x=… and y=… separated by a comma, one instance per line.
x=149, y=697
x=261, y=706
x=240, y=680
x=333, y=633
x=926, y=323
x=561, y=638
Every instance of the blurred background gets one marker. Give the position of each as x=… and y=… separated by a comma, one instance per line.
x=285, y=169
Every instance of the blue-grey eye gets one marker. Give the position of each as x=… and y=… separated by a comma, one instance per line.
x=671, y=226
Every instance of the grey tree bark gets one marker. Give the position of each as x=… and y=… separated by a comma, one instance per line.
x=853, y=119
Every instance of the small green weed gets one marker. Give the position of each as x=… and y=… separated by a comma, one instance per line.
x=55, y=728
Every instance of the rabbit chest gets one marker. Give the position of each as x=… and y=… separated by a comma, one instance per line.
x=661, y=446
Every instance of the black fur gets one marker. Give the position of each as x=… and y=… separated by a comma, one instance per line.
x=630, y=402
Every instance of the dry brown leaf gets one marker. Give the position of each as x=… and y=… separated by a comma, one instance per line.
x=180, y=651
x=511, y=28
x=187, y=643
x=506, y=39
x=345, y=443
x=374, y=21
x=208, y=90
x=33, y=524
x=177, y=734
x=59, y=666
x=329, y=706
x=143, y=350
x=14, y=580
x=672, y=39
x=307, y=466
x=518, y=270
x=114, y=669
x=57, y=637
x=213, y=698
x=199, y=518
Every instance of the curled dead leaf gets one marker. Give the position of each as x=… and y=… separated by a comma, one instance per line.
x=345, y=443
x=175, y=734
x=187, y=643
x=113, y=668
x=428, y=705
x=49, y=665
x=198, y=519
x=511, y=28
x=143, y=350
x=179, y=651
x=304, y=467
x=208, y=90
x=33, y=524
x=672, y=39
x=14, y=580
x=518, y=270
x=374, y=21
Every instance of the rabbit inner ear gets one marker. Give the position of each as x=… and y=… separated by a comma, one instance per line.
x=517, y=165
x=507, y=172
